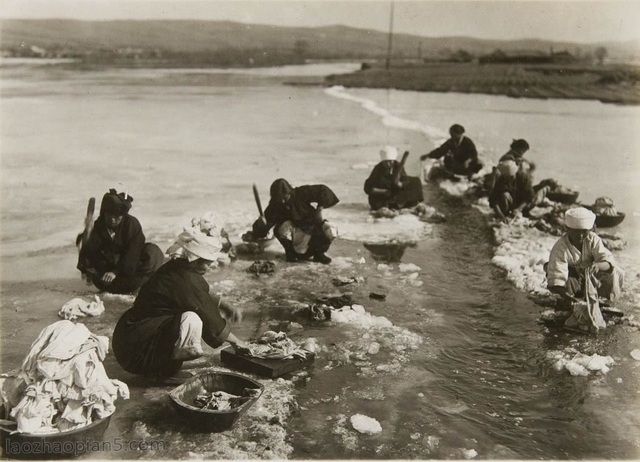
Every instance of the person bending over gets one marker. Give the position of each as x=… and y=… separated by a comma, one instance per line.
x=389, y=185
x=578, y=254
x=116, y=257
x=516, y=152
x=512, y=192
x=173, y=312
x=298, y=225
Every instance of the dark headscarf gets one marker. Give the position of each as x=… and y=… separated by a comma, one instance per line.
x=279, y=189
x=116, y=203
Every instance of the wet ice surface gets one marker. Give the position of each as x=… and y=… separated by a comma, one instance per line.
x=452, y=363
x=441, y=357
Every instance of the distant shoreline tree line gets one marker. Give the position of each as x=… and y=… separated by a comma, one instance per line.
x=299, y=52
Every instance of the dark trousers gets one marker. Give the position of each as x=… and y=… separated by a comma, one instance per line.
x=409, y=196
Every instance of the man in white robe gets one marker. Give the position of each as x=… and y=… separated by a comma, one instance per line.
x=581, y=249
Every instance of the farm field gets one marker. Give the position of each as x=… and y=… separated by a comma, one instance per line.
x=618, y=84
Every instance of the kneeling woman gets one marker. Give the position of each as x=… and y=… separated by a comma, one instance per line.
x=173, y=312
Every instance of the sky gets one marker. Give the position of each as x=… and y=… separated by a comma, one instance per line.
x=568, y=20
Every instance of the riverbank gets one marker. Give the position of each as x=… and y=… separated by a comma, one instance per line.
x=618, y=84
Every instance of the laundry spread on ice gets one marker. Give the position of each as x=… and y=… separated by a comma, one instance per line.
x=79, y=308
x=62, y=384
x=276, y=345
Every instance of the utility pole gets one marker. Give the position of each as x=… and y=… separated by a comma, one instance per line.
x=390, y=38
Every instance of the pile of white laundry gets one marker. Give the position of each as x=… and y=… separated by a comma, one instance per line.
x=62, y=384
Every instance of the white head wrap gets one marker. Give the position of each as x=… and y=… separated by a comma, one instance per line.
x=193, y=244
x=389, y=153
x=579, y=218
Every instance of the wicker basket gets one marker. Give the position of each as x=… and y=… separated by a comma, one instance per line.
x=207, y=420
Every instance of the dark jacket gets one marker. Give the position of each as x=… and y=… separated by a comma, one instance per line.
x=383, y=177
x=145, y=335
x=298, y=210
x=456, y=155
x=120, y=255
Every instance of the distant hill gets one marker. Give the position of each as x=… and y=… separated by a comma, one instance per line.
x=188, y=36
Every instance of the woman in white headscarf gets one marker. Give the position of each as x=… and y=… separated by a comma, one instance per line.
x=389, y=185
x=173, y=312
x=581, y=249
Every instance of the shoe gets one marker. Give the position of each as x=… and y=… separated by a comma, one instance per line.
x=177, y=379
x=291, y=257
x=187, y=354
x=322, y=258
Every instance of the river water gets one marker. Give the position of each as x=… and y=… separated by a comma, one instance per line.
x=462, y=370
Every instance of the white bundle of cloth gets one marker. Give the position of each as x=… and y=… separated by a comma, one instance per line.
x=62, y=384
x=79, y=308
x=604, y=206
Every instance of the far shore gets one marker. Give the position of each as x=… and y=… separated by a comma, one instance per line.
x=617, y=84
x=614, y=83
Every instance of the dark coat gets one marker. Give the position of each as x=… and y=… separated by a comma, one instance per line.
x=298, y=210
x=383, y=177
x=120, y=255
x=456, y=155
x=145, y=335
x=126, y=255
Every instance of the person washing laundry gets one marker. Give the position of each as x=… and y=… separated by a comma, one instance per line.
x=298, y=225
x=581, y=249
x=116, y=257
x=173, y=312
x=459, y=152
x=389, y=185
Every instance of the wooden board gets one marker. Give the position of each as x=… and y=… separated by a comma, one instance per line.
x=270, y=368
x=83, y=237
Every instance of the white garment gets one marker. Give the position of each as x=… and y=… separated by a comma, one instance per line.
x=58, y=341
x=65, y=371
x=190, y=331
x=299, y=238
x=564, y=254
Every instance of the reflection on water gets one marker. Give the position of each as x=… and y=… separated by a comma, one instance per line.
x=389, y=252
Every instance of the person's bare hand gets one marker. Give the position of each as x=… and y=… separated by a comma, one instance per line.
x=108, y=277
